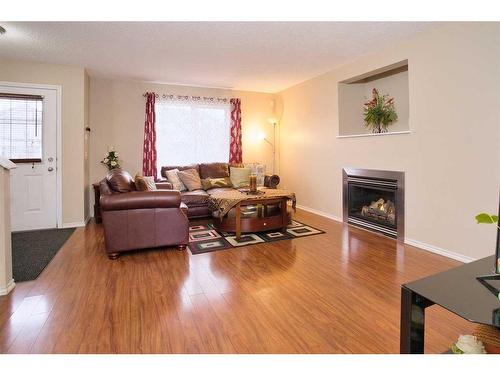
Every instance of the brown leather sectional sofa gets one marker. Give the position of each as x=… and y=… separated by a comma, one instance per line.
x=146, y=219
x=197, y=200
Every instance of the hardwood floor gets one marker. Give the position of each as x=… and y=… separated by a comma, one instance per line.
x=337, y=292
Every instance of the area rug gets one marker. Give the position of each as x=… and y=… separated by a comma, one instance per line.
x=205, y=238
x=33, y=250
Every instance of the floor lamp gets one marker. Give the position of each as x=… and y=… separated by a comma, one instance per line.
x=273, y=122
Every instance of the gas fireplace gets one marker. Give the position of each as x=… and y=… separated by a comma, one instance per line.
x=374, y=200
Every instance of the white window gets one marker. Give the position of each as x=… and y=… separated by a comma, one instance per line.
x=188, y=132
x=21, y=127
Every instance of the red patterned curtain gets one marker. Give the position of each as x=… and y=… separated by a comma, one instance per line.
x=149, y=150
x=235, y=151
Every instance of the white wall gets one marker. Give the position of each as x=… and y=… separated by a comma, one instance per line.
x=452, y=156
x=72, y=81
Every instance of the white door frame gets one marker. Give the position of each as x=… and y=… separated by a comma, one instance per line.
x=58, y=89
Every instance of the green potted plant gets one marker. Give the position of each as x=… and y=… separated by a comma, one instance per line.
x=379, y=112
x=484, y=218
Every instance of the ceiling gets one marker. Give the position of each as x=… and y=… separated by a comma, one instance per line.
x=255, y=56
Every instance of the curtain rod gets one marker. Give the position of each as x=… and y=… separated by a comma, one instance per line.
x=194, y=98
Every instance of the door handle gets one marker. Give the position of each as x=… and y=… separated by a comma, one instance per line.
x=50, y=169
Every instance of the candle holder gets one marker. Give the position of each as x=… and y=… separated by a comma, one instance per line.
x=253, y=183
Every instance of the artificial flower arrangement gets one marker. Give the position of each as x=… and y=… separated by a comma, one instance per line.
x=379, y=112
x=111, y=159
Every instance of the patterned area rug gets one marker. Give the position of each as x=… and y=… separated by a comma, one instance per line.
x=204, y=238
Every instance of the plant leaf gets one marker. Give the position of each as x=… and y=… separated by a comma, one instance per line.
x=484, y=218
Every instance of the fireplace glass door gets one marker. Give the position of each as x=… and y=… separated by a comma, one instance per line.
x=374, y=204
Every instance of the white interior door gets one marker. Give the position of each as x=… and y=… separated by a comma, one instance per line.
x=34, y=184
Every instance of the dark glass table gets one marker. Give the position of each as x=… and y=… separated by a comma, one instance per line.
x=458, y=291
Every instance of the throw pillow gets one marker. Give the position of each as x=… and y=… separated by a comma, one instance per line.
x=144, y=183
x=190, y=178
x=210, y=183
x=140, y=184
x=223, y=182
x=150, y=182
x=240, y=177
x=205, y=184
x=174, y=179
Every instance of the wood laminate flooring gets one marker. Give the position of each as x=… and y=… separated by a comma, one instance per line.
x=338, y=292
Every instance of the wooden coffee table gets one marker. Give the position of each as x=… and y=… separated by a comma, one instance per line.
x=256, y=215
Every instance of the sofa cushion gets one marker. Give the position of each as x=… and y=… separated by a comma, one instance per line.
x=198, y=211
x=195, y=198
x=174, y=179
x=163, y=185
x=120, y=181
x=218, y=189
x=190, y=178
x=214, y=170
x=178, y=167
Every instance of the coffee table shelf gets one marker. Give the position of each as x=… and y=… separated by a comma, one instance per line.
x=256, y=215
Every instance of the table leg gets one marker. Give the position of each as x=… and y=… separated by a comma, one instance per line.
x=412, y=329
x=284, y=216
x=238, y=221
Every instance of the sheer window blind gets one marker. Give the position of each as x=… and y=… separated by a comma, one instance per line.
x=21, y=127
x=188, y=132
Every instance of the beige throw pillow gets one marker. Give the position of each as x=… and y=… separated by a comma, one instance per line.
x=150, y=182
x=174, y=179
x=205, y=184
x=210, y=183
x=240, y=177
x=190, y=178
x=144, y=183
x=223, y=182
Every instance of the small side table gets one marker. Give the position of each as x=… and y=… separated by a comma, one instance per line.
x=97, y=207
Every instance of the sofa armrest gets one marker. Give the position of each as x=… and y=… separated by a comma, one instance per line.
x=141, y=200
x=271, y=181
x=163, y=185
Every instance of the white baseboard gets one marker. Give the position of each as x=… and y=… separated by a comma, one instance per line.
x=320, y=213
x=8, y=288
x=75, y=224
x=439, y=251
x=408, y=241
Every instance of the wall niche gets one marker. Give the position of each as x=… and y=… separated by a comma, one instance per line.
x=354, y=92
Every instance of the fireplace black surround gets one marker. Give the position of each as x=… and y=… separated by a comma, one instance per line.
x=374, y=200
